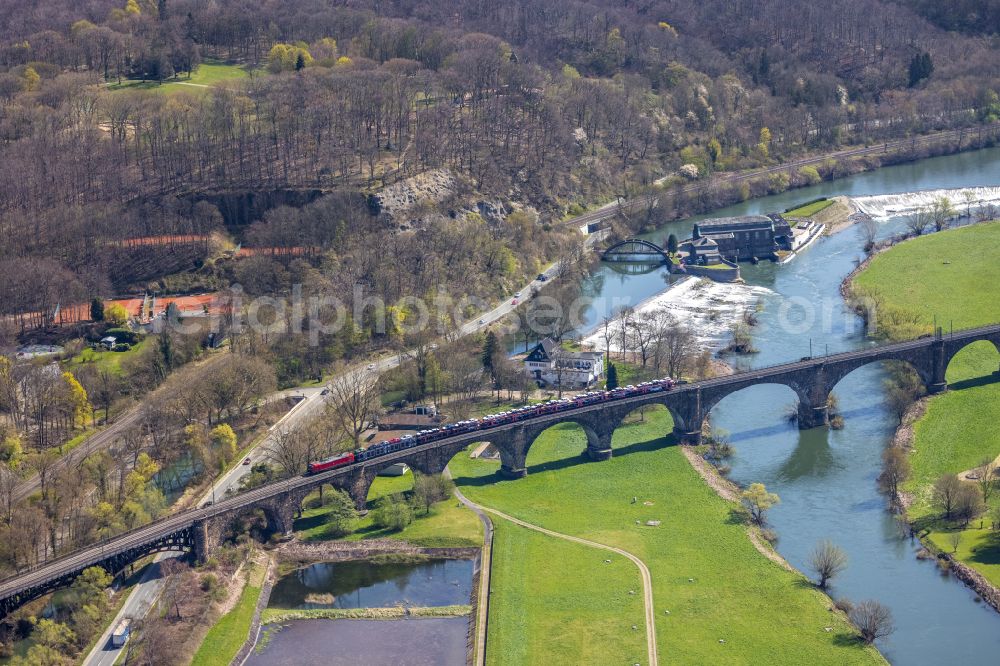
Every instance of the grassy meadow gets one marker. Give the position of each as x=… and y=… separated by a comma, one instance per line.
x=955, y=276
x=449, y=523
x=206, y=76
x=706, y=573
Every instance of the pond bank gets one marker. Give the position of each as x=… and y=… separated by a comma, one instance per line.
x=343, y=551
x=294, y=563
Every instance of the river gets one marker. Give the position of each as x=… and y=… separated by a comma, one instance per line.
x=826, y=479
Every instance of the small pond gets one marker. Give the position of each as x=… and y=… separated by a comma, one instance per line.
x=362, y=584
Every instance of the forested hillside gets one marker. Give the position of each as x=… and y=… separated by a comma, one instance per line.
x=541, y=105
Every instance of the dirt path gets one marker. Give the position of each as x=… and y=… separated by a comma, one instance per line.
x=485, y=569
x=647, y=579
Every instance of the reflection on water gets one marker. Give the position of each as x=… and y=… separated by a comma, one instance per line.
x=812, y=457
x=363, y=584
x=826, y=479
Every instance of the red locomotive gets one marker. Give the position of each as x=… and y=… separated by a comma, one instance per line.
x=338, y=460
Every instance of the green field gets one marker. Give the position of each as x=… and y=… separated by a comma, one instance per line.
x=207, y=75
x=449, y=524
x=560, y=602
x=956, y=276
x=809, y=209
x=226, y=636
x=104, y=360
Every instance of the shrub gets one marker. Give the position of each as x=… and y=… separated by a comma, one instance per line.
x=392, y=513
x=208, y=582
x=123, y=335
x=844, y=604
x=810, y=174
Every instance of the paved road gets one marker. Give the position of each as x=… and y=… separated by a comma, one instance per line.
x=148, y=589
x=143, y=596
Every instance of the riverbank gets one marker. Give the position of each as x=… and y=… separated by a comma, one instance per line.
x=954, y=276
x=561, y=603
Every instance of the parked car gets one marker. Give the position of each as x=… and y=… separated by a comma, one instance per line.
x=541, y=277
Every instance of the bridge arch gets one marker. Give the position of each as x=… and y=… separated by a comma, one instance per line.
x=627, y=250
x=833, y=377
x=809, y=405
x=962, y=366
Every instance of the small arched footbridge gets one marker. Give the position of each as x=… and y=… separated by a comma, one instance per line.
x=199, y=531
x=636, y=250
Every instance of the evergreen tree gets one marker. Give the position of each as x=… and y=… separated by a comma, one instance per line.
x=490, y=346
x=612, y=381
x=672, y=244
x=97, y=309
x=921, y=67
x=300, y=63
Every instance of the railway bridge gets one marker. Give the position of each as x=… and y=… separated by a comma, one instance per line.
x=200, y=531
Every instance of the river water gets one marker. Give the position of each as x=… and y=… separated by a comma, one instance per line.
x=826, y=479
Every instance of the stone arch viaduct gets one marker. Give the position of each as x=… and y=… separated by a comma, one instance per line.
x=199, y=531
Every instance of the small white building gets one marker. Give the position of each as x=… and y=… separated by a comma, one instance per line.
x=549, y=364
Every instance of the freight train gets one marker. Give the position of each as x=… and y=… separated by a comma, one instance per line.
x=503, y=418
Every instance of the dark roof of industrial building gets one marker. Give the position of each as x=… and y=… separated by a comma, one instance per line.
x=741, y=223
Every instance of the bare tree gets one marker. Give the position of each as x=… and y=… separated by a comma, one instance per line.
x=895, y=471
x=986, y=475
x=869, y=231
x=354, y=403
x=827, y=560
x=674, y=344
x=873, y=620
x=945, y=493
x=608, y=334
x=290, y=449
x=642, y=329
x=624, y=320
x=8, y=486
x=919, y=221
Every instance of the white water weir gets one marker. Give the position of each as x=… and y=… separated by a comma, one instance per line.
x=885, y=206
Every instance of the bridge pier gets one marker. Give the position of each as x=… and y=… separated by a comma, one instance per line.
x=598, y=454
x=689, y=437
x=813, y=417
x=513, y=472
x=936, y=387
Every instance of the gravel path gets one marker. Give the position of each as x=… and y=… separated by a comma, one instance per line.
x=647, y=581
